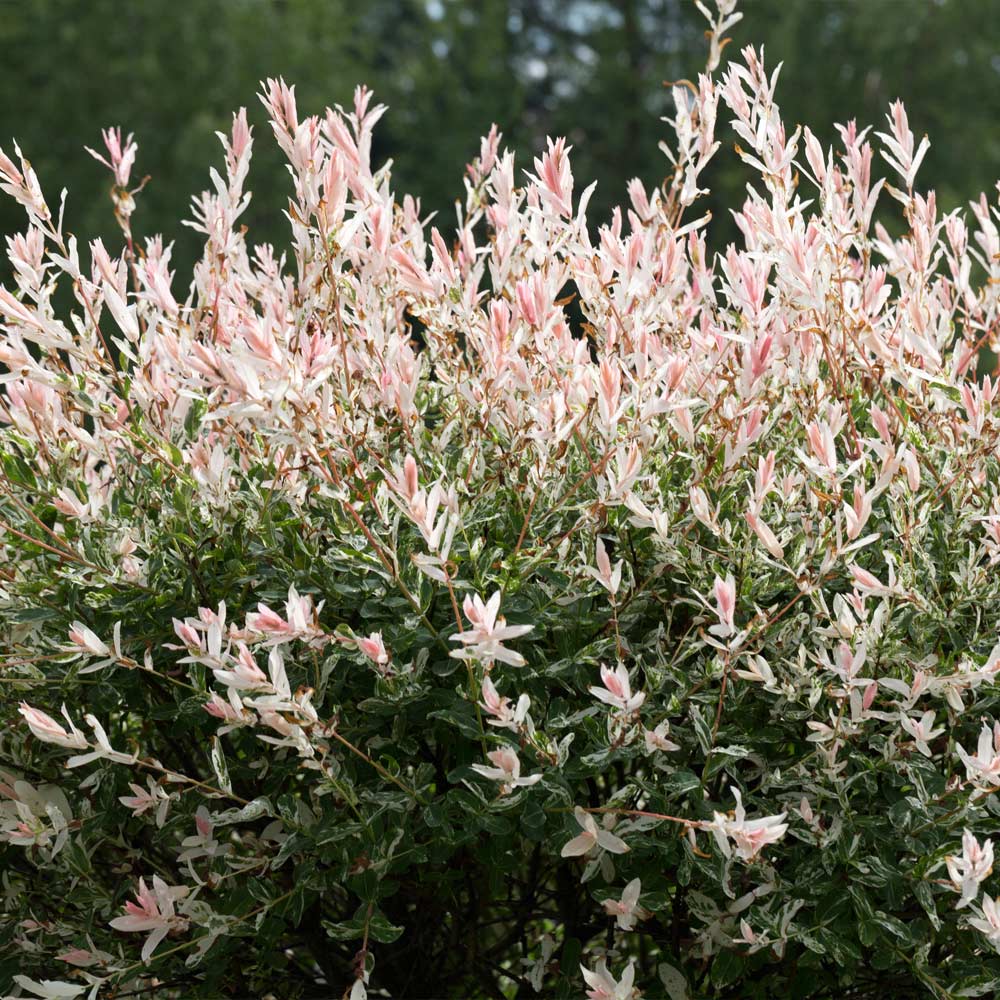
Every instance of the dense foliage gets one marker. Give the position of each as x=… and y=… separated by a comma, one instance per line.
x=536, y=608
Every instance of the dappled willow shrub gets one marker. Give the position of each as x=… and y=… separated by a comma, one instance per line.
x=425, y=615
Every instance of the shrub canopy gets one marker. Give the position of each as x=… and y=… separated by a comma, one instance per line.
x=523, y=610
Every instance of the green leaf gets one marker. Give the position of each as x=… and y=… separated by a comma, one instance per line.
x=462, y=716
x=29, y=616
x=572, y=951
x=680, y=783
x=844, y=951
x=726, y=968
x=926, y=899
x=219, y=765
x=251, y=811
x=434, y=814
x=701, y=728
x=533, y=820
x=346, y=930
x=893, y=926
x=294, y=844
x=379, y=929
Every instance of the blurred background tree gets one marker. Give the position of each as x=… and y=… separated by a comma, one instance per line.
x=593, y=70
